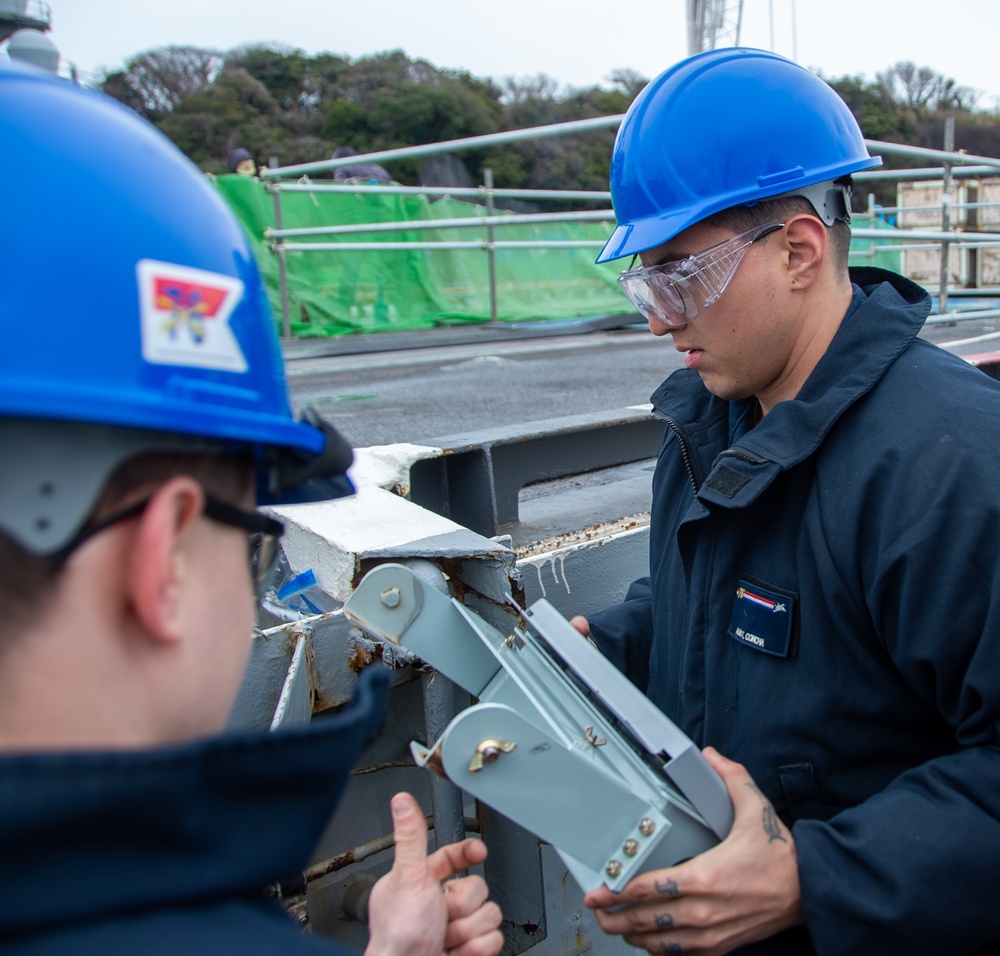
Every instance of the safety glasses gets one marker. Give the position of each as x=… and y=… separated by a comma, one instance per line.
x=675, y=293
x=263, y=534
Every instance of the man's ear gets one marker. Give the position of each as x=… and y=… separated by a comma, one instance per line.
x=161, y=560
x=807, y=241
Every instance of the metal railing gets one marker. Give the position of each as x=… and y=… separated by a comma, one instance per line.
x=952, y=164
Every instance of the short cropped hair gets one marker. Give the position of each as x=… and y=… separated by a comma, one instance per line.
x=28, y=581
x=739, y=219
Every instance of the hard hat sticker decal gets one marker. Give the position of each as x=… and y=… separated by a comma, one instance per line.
x=185, y=316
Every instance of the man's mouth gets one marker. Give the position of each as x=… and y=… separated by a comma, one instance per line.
x=692, y=357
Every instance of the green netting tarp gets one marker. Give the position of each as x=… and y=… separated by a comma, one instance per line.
x=339, y=292
x=870, y=252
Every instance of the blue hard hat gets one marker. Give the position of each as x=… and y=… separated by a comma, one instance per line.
x=723, y=128
x=131, y=298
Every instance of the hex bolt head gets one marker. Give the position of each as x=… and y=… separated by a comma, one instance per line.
x=646, y=826
x=630, y=847
x=613, y=868
x=390, y=597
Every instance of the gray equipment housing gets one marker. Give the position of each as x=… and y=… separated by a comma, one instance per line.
x=560, y=741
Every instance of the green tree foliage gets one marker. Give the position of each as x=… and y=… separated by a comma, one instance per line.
x=235, y=110
x=277, y=101
x=387, y=101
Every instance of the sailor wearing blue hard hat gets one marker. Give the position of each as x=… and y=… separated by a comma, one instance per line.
x=143, y=414
x=824, y=550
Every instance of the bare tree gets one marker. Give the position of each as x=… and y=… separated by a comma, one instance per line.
x=155, y=82
x=921, y=89
x=629, y=81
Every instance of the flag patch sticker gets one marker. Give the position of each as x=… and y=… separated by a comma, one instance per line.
x=763, y=619
x=185, y=316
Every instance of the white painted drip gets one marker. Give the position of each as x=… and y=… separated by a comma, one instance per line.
x=541, y=583
x=289, y=685
x=556, y=561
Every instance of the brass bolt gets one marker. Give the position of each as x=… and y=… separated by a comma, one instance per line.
x=630, y=848
x=613, y=868
x=646, y=826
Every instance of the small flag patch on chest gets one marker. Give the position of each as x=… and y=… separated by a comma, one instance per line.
x=762, y=619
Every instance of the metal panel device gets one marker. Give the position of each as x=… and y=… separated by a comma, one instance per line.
x=559, y=740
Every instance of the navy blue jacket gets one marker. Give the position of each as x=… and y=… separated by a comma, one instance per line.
x=168, y=851
x=823, y=606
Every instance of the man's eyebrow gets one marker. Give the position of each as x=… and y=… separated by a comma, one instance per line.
x=668, y=256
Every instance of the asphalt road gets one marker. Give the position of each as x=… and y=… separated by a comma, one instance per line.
x=384, y=390
x=418, y=394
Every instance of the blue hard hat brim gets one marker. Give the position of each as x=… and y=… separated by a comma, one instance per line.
x=631, y=238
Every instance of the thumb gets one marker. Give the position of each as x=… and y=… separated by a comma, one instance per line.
x=581, y=624
x=410, y=833
x=740, y=785
x=723, y=766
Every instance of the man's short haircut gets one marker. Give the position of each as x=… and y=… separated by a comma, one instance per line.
x=28, y=581
x=739, y=219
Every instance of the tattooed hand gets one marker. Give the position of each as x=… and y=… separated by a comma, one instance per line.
x=743, y=890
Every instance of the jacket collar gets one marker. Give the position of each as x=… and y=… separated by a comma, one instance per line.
x=91, y=834
x=885, y=317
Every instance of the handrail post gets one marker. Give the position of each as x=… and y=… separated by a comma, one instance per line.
x=490, y=250
x=275, y=188
x=949, y=147
x=873, y=248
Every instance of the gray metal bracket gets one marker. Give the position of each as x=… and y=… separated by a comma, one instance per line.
x=541, y=747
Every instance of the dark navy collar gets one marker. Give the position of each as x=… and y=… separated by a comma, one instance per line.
x=886, y=314
x=90, y=834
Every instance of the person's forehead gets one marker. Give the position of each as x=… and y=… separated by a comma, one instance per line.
x=687, y=242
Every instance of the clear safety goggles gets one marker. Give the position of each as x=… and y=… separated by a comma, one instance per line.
x=675, y=293
x=263, y=534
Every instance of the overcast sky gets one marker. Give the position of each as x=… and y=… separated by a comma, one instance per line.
x=578, y=43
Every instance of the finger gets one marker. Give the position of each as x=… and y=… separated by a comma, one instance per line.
x=489, y=944
x=410, y=833
x=645, y=918
x=481, y=921
x=450, y=859
x=465, y=896
x=601, y=898
x=654, y=886
x=581, y=624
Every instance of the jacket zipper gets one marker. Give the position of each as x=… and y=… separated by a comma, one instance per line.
x=685, y=447
x=734, y=452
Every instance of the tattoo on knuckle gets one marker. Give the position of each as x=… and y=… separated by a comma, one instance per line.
x=666, y=887
x=664, y=921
